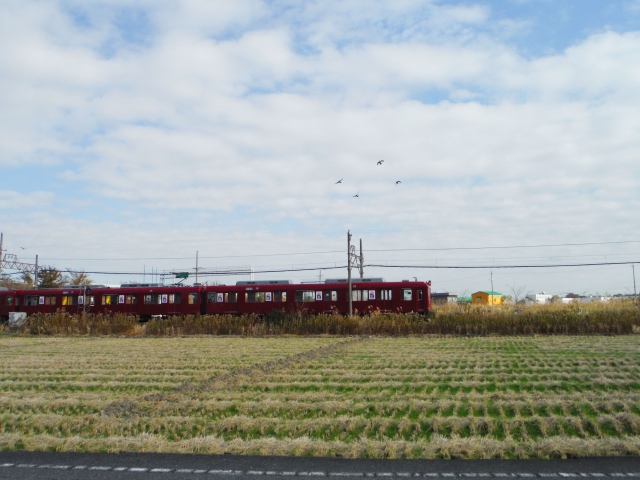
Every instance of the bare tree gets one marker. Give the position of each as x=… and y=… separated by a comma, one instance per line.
x=517, y=292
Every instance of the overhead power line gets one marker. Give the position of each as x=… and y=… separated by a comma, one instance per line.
x=442, y=249
x=440, y=267
x=555, y=265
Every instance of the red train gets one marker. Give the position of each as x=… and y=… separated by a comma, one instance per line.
x=250, y=297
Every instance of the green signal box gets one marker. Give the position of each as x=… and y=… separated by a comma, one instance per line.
x=182, y=275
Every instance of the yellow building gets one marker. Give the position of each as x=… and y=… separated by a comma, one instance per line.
x=486, y=298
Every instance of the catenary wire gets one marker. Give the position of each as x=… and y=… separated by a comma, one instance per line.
x=368, y=250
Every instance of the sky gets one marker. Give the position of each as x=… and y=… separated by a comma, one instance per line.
x=134, y=134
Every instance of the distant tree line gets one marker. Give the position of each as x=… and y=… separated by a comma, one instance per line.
x=48, y=277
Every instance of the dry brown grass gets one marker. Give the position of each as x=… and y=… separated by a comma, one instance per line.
x=615, y=318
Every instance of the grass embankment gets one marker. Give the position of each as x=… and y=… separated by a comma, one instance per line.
x=418, y=397
x=596, y=318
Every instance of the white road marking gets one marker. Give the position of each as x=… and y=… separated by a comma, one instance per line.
x=325, y=474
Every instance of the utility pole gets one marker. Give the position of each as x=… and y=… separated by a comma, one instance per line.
x=349, y=294
x=320, y=276
x=633, y=267
x=491, y=287
x=196, y=266
x=35, y=275
x=1, y=242
x=361, y=261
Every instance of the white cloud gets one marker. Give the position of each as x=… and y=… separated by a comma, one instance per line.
x=248, y=112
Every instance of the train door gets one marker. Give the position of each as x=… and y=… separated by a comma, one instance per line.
x=421, y=300
x=203, y=302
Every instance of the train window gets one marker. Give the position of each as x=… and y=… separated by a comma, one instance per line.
x=356, y=295
x=327, y=296
x=120, y=298
x=334, y=296
x=70, y=300
x=49, y=300
x=305, y=296
x=177, y=298
x=259, y=297
x=419, y=294
x=8, y=301
x=192, y=298
x=130, y=299
x=384, y=295
x=211, y=297
x=231, y=297
x=407, y=295
x=30, y=301
x=109, y=299
x=92, y=300
x=318, y=296
x=279, y=296
x=250, y=297
x=148, y=299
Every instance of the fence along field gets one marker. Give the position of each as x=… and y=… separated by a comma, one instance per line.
x=415, y=397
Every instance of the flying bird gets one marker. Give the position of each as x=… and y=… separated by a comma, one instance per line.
x=380, y=162
x=398, y=182
x=357, y=195
x=339, y=181
x=23, y=248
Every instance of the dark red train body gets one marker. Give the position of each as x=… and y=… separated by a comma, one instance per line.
x=260, y=297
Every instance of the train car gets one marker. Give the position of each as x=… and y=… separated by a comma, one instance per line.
x=150, y=301
x=7, y=302
x=264, y=297
x=248, y=297
x=145, y=301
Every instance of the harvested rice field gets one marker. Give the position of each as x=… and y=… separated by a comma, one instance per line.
x=415, y=397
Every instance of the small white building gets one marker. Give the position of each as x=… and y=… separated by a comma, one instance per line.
x=539, y=298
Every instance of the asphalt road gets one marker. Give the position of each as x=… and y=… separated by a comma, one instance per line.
x=143, y=466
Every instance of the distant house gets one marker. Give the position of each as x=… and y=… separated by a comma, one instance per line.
x=464, y=299
x=487, y=298
x=444, y=297
x=538, y=298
